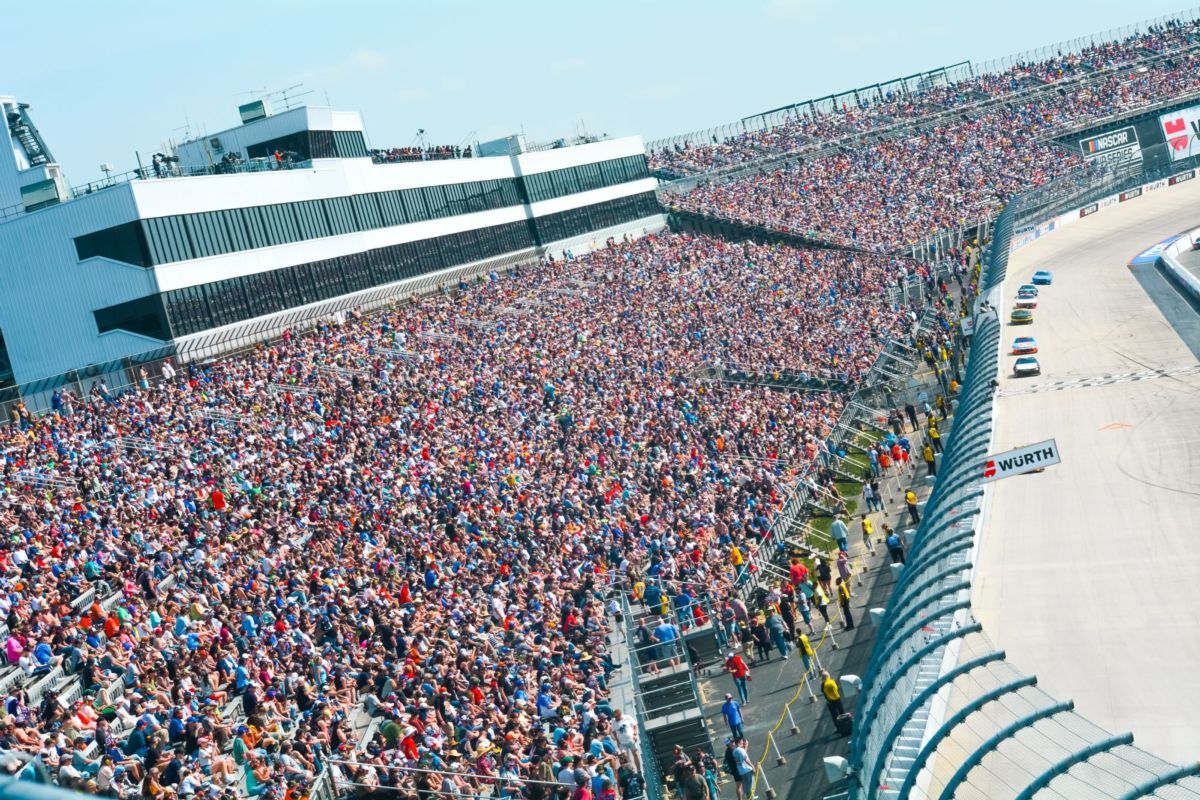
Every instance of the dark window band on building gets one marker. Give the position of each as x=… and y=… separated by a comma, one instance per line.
x=144, y=316
x=211, y=305
x=124, y=242
x=576, y=221
x=162, y=240
x=306, y=145
x=584, y=178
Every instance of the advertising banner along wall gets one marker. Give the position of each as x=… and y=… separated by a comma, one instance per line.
x=1021, y=460
x=1182, y=129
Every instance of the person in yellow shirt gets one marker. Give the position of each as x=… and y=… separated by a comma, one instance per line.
x=833, y=695
x=739, y=563
x=910, y=502
x=868, y=530
x=843, y=593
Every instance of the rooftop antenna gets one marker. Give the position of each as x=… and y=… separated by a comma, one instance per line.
x=186, y=127
x=288, y=95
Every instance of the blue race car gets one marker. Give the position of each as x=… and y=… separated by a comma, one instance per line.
x=1043, y=278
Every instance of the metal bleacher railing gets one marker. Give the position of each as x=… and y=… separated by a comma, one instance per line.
x=942, y=713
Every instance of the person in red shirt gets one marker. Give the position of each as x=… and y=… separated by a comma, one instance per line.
x=736, y=667
x=797, y=572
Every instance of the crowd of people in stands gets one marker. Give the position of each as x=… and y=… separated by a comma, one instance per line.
x=380, y=551
x=895, y=192
x=442, y=152
x=1157, y=50
x=383, y=546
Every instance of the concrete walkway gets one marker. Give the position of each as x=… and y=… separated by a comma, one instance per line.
x=777, y=688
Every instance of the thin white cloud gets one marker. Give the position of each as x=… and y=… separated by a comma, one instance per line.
x=569, y=65
x=413, y=94
x=656, y=92
x=370, y=60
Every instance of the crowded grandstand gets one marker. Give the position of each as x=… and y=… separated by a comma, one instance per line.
x=378, y=554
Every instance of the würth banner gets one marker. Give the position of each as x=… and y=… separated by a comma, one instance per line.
x=1023, y=459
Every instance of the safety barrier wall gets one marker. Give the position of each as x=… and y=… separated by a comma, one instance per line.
x=1185, y=280
x=942, y=713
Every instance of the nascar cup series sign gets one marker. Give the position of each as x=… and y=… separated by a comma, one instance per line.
x=1113, y=148
x=1023, y=459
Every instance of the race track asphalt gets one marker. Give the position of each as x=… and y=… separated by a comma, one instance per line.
x=1089, y=573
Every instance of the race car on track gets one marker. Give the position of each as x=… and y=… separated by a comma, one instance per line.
x=1027, y=290
x=1026, y=365
x=1026, y=302
x=1042, y=278
x=1021, y=316
x=1024, y=345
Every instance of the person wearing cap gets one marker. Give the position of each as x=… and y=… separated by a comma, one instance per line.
x=732, y=713
x=693, y=785
x=735, y=665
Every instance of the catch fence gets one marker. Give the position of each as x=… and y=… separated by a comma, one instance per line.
x=942, y=713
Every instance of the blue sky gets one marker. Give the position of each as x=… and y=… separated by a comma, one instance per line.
x=107, y=79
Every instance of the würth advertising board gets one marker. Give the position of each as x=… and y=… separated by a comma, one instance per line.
x=1021, y=460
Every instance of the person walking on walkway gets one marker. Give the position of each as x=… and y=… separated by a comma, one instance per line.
x=833, y=695
x=803, y=606
x=895, y=548
x=626, y=731
x=762, y=639
x=807, y=653
x=843, y=588
x=840, y=533
x=735, y=665
x=745, y=770
x=821, y=601
x=911, y=411
x=777, y=629
x=843, y=566
x=731, y=765
x=910, y=502
x=935, y=437
x=868, y=530
x=824, y=575
x=930, y=460
x=732, y=712
x=693, y=785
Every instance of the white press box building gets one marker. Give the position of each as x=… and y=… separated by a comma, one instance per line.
x=230, y=244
